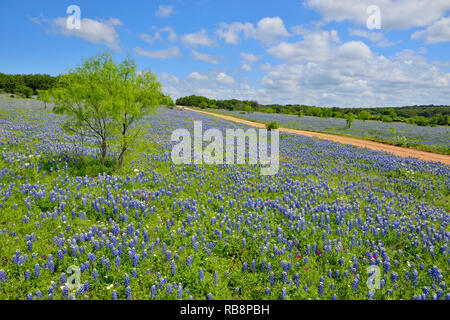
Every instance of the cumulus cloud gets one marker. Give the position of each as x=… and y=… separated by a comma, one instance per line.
x=438, y=32
x=346, y=74
x=171, y=52
x=246, y=67
x=197, y=76
x=249, y=57
x=164, y=11
x=197, y=39
x=395, y=14
x=158, y=35
x=376, y=37
x=353, y=50
x=204, y=57
x=94, y=31
x=315, y=46
x=150, y=38
x=354, y=76
x=164, y=76
x=224, y=78
x=267, y=30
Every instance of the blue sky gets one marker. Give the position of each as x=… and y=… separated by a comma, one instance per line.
x=318, y=52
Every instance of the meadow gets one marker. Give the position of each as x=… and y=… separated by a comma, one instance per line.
x=434, y=139
x=154, y=230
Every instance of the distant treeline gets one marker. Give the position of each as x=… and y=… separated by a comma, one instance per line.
x=424, y=115
x=26, y=84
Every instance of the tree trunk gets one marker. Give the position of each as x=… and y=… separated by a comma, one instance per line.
x=121, y=156
x=103, y=150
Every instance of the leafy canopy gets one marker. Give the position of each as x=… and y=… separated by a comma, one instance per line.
x=105, y=99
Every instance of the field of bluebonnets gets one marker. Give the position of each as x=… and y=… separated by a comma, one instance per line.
x=435, y=139
x=159, y=231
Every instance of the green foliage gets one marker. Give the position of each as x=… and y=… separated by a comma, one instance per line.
x=203, y=105
x=105, y=99
x=364, y=115
x=350, y=117
x=44, y=96
x=272, y=125
x=386, y=118
x=23, y=91
x=10, y=82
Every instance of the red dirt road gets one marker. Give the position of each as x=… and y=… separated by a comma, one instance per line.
x=398, y=151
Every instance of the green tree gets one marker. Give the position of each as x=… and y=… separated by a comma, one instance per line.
x=44, y=96
x=386, y=118
x=105, y=99
x=203, y=104
x=23, y=91
x=364, y=115
x=272, y=125
x=390, y=113
x=349, y=117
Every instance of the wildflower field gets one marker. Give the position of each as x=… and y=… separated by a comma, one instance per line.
x=332, y=221
x=434, y=139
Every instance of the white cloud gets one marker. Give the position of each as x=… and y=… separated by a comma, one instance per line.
x=164, y=76
x=230, y=32
x=314, y=46
x=197, y=76
x=438, y=32
x=204, y=57
x=171, y=35
x=171, y=52
x=354, y=76
x=329, y=73
x=267, y=30
x=395, y=14
x=150, y=38
x=246, y=67
x=224, y=78
x=250, y=57
x=354, y=51
x=376, y=37
x=97, y=32
x=197, y=39
x=164, y=11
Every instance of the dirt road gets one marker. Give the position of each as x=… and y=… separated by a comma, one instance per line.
x=399, y=151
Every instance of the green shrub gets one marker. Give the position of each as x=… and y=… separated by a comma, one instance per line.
x=386, y=118
x=272, y=125
x=23, y=91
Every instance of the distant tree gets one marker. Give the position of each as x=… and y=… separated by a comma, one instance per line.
x=248, y=108
x=272, y=125
x=203, y=104
x=44, y=96
x=390, y=113
x=300, y=114
x=105, y=99
x=326, y=112
x=349, y=117
x=364, y=115
x=23, y=91
x=386, y=118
